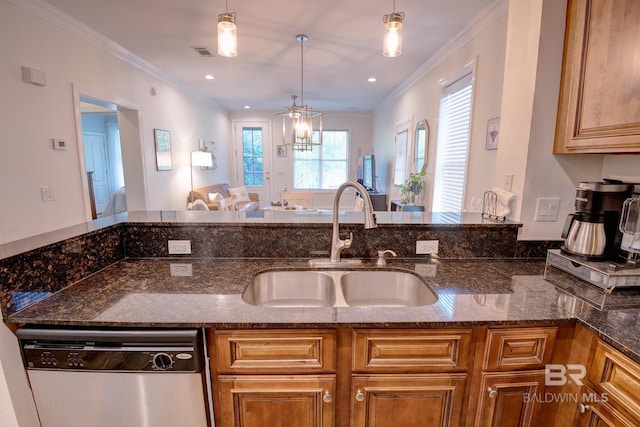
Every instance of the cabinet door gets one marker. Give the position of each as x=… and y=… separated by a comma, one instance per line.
x=427, y=400
x=598, y=413
x=599, y=101
x=277, y=400
x=510, y=399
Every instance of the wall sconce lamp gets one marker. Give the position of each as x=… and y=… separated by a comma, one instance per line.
x=199, y=158
x=392, y=43
x=227, y=35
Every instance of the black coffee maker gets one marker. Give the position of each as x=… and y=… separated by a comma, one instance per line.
x=591, y=233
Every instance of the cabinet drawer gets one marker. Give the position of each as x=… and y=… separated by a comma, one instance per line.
x=519, y=348
x=619, y=377
x=417, y=350
x=275, y=351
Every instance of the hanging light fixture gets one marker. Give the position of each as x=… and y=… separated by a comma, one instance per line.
x=299, y=122
x=227, y=37
x=392, y=44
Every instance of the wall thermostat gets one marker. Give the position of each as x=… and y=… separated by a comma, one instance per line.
x=59, y=144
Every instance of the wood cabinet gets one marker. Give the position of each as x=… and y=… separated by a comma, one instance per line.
x=417, y=400
x=599, y=105
x=611, y=396
x=343, y=377
x=410, y=377
x=278, y=378
x=513, y=374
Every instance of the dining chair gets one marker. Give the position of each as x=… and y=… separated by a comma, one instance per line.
x=304, y=199
x=227, y=204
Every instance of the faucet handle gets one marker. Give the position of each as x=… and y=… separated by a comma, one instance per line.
x=348, y=241
x=381, y=258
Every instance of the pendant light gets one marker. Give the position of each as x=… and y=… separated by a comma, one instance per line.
x=392, y=43
x=227, y=36
x=299, y=122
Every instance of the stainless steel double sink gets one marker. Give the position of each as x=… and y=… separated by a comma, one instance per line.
x=338, y=288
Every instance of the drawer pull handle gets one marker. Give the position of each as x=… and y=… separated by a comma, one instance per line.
x=492, y=393
x=582, y=408
x=327, y=398
x=359, y=395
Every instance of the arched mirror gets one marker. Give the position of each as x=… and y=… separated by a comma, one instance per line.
x=421, y=146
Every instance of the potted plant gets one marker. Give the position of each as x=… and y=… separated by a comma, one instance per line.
x=412, y=187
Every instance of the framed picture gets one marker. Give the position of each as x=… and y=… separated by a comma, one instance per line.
x=493, y=133
x=163, y=149
x=282, y=151
x=208, y=146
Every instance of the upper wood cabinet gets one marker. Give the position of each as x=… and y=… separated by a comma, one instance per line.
x=599, y=105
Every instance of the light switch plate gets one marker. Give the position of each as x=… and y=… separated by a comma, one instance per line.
x=547, y=209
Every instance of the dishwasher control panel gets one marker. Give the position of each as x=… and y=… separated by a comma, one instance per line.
x=137, y=353
x=41, y=357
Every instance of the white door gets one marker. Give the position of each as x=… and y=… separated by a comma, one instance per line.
x=95, y=145
x=253, y=158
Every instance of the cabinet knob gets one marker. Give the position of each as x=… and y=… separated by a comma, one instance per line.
x=492, y=393
x=359, y=395
x=327, y=398
x=582, y=408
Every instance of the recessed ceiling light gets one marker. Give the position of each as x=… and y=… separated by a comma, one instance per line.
x=208, y=77
x=247, y=106
x=371, y=79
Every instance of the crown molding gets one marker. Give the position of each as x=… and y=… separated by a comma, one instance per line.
x=56, y=17
x=492, y=12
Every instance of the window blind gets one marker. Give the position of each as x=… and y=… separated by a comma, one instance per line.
x=453, y=146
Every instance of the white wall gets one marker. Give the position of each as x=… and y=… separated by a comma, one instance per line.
x=31, y=115
x=484, y=42
x=360, y=129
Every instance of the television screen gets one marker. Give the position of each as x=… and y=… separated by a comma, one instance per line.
x=369, y=172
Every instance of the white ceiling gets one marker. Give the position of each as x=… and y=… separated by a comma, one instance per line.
x=343, y=50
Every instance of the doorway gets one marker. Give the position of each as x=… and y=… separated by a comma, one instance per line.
x=103, y=157
x=253, y=157
x=112, y=167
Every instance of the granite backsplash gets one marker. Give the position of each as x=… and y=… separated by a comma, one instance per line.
x=30, y=276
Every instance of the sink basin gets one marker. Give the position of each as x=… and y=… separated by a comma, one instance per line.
x=338, y=288
x=385, y=289
x=291, y=289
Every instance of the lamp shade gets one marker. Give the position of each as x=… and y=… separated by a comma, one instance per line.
x=201, y=158
x=227, y=37
x=392, y=44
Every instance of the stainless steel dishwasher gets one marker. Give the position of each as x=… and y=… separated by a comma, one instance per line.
x=125, y=378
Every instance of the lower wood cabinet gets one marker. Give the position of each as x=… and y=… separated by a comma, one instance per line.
x=611, y=396
x=455, y=377
x=510, y=399
x=407, y=400
x=276, y=401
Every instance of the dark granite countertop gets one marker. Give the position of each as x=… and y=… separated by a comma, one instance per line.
x=143, y=293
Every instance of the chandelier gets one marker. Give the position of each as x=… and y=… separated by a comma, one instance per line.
x=299, y=121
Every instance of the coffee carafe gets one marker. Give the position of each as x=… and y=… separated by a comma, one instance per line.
x=630, y=229
x=591, y=233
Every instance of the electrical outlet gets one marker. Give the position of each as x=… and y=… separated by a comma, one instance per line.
x=426, y=270
x=181, y=269
x=182, y=247
x=424, y=247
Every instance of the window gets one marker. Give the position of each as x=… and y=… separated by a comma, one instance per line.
x=252, y=156
x=453, y=145
x=326, y=166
